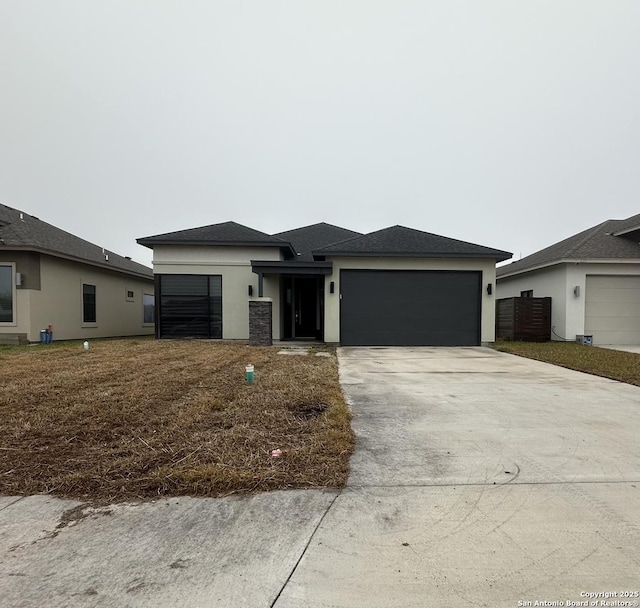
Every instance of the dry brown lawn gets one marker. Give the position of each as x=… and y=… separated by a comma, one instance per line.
x=138, y=419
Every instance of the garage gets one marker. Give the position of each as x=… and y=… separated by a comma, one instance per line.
x=612, y=309
x=410, y=307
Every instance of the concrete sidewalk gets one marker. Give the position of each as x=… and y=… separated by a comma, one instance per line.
x=187, y=552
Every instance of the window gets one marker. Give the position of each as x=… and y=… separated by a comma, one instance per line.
x=527, y=294
x=6, y=294
x=148, y=305
x=190, y=306
x=88, y=303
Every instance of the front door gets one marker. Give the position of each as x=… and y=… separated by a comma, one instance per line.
x=305, y=297
x=303, y=314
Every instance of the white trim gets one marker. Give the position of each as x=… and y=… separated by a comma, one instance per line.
x=516, y=273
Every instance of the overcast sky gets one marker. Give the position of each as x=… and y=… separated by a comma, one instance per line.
x=510, y=124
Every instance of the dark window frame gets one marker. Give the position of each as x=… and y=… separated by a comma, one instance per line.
x=528, y=293
x=144, y=309
x=184, y=313
x=12, y=295
x=89, y=303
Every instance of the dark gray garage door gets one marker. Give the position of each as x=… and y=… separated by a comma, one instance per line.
x=409, y=308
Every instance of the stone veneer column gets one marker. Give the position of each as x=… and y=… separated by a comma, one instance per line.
x=260, y=330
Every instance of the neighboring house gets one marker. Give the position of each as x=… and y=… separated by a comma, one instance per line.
x=593, y=279
x=396, y=286
x=50, y=277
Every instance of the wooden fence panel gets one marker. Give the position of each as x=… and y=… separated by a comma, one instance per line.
x=527, y=319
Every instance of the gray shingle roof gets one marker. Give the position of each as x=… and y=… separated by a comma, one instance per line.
x=308, y=238
x=226, y=233
x=596, y=243
x=402, y=241
x=19, y=230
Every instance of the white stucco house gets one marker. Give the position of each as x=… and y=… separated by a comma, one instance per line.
x=396, y=286
x=593, y=278
x=50, y=278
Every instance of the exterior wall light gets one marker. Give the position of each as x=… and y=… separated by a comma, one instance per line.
x=332, y=287
x=250, y=290
x=489, y=289
x=576, y=291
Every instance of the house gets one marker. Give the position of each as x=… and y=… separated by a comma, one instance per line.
x=51, y=277
x=593, y=278
x=396, y=286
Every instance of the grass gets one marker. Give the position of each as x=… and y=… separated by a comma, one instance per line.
x=614, y=364
x=136, y=419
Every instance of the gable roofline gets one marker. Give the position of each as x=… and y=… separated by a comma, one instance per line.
x=401, y=241
x=306, y=239
x=601, y=242
x=323, y=239
x=20, y=231
x=590, y=232
x=324, y=224
x=224, y=234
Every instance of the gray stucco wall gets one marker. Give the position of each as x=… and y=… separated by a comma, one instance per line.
x=59, y=302
x=558, y=282
x=234, y=264
x=27, y=263
x=546, y=283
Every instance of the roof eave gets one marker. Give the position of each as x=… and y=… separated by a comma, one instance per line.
x=499, y=256
x=527, y=269
x=290, y=263
x=71, y=258
x=151, y=242
x=291, y=267
x=520, y=271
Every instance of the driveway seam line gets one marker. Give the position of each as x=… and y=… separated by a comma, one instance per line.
x=13, y=503
x=304, y=551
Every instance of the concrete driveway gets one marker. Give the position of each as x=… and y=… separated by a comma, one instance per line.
x=479, y=479
x=630, y=348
